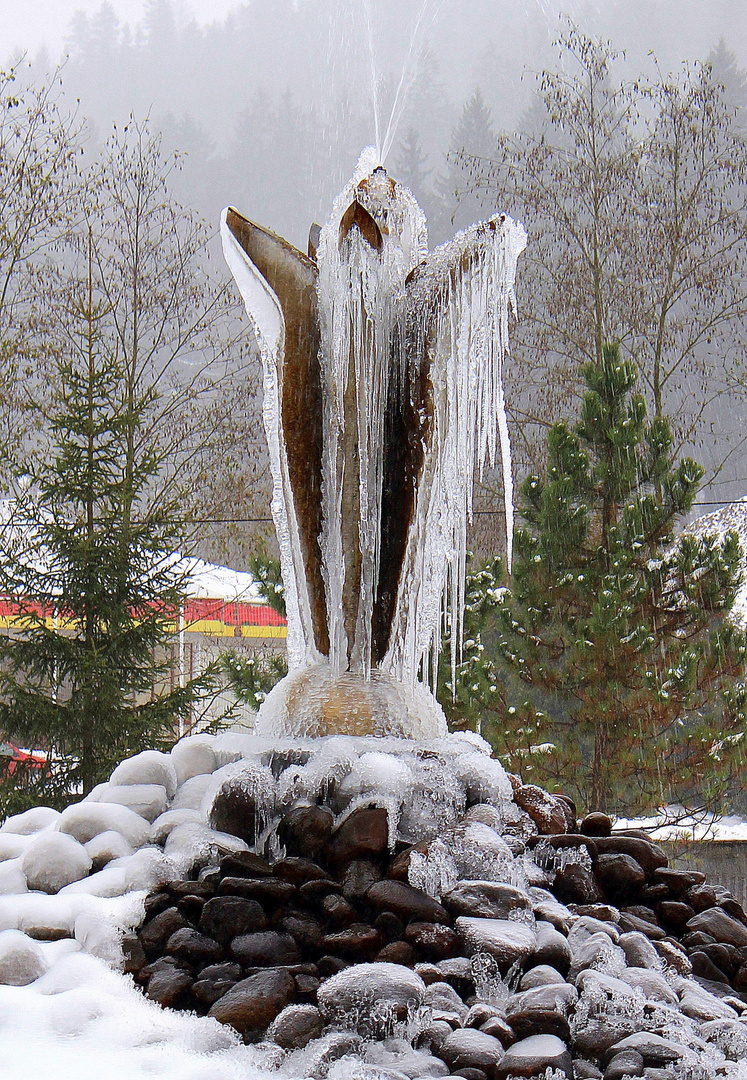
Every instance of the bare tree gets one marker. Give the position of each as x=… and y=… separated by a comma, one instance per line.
x=634, y=200
x=39, y=145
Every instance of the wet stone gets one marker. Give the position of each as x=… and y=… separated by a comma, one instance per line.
x=134, y=954
x=720, y=926
x=705, y=968
x=364, y=834
x=337, y=910
x=596, y=824
x=155, y=933
x=678, y=881
x=266, y=891
x=208, y=991
x=305, y=830
x=701, y=897
x=499, y=1029
x=407, y=902
x=633, y=923
x=306, y=930
x=267, y=948
x=674, y=914
x=358, y=878
x=306, y=988
x=539, y=1022
x=194, y=948
x=433, y=940
x=252, y=1004
x=298, y=870
x=331, y=965
x=574, y=884
x=619, y=874
x=546, y=812
x=226, y=917
x=169, y=986
x=541, y=975
x=649, y=856
x=358, y=941
x=246, y=864
x=389, y=926
x=397, y=952
x=314, y=892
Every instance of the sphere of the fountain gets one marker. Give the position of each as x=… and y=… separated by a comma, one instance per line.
x=318, y=701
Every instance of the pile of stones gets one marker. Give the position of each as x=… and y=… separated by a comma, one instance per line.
x=597, y=961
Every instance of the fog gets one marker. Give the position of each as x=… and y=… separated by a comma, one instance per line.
x=267, y=104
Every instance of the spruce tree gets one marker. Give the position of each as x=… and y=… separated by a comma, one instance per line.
x=88, y=558
x=621, y=627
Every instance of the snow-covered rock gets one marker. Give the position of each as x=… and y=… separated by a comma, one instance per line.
x=107, y=846
x=54, y=860
x=165, y=823
x=147, y=800
x=30, y=821
x=21, y=959
x=192, y=756
x=12, y=877
x=363, y=988
x=85, y=820
x=148, y=767
x=190, y=794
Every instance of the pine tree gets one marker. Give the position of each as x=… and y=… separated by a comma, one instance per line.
x=621, y=627
x=410, y=166
x=89, y=559
x=459, y=189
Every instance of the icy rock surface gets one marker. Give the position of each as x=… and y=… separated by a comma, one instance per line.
x=148, y=767
x=520, y=967
x=21, y=959
x=54, y=860
x=30, y=821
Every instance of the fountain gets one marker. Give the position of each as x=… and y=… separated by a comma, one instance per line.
x=351, y=893
x=383, y=391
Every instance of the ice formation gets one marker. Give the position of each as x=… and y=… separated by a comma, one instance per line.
x=398, y=354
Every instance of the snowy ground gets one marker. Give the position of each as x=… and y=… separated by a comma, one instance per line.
x=83, y=1021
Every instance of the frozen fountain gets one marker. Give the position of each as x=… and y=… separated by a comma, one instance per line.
x=383, y=391
x=352, y=893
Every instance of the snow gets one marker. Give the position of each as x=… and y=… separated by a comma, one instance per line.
x=21, y=959
x=82, y=1021
x=674, y=823
x=148, y=767
x=30, y=821
x=54, y=860
x=193, y=756
x=149, y=801
x=85, y=820
x=107, y=846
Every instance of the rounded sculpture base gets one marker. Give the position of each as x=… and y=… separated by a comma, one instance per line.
x=317, y=701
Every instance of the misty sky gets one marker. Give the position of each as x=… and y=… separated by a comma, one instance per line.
x=34, y=24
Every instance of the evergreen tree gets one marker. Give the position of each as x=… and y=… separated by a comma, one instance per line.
x=460, y=188
x=727, y=74
x=621, y=627
x=410, y=166
x=88, y=557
